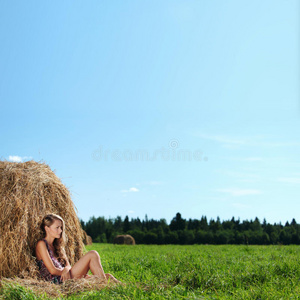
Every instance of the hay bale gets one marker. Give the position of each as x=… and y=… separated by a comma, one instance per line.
x=124, y=240
x=29, y=191
x=87, y=240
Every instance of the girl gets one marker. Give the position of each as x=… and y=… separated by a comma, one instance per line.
x=52, y=260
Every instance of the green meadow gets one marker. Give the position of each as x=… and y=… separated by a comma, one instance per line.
x=193, y=272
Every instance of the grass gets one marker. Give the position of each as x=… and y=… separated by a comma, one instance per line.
x=192, y=272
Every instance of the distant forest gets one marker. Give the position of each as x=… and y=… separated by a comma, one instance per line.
x=193, y=231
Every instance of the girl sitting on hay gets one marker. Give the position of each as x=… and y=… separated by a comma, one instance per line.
x=53, y=262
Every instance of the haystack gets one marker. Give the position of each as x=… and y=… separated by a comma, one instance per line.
x=87, y=240
x=29, y=191
x=124, y=240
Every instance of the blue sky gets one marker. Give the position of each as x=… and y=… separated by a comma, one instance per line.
x=157, y=107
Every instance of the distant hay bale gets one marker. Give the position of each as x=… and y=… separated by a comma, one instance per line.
x=124, y=240
x=87, y=240
x=29, y=191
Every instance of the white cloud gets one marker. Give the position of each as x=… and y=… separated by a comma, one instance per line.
x=235, y=173
x=131, y=211
x=133, y=189
x=239, y=192
x=280, y=144
x=295, y=180
x=246, y=158
x=240, y=176
x=235, y=142
x=227, y=141
x=15, y=158
x=18, y=159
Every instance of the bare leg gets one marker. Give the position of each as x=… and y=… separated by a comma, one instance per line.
x=90, y=261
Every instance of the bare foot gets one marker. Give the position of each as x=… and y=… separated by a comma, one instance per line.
x=110, y=277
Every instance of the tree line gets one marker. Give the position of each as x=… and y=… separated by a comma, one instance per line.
x=193, y=231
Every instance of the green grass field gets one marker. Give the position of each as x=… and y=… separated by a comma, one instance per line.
x=195, y=272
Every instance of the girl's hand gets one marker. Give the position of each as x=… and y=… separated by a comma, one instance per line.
x=65, y=275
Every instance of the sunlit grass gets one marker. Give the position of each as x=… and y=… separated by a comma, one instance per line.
x=195, y=272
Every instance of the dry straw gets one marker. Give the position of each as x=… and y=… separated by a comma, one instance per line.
x=29, y=191
x=68, y=288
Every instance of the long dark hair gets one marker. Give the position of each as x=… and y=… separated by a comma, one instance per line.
x=58, y=244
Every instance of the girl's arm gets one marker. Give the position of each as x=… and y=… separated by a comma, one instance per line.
x=42, y=253
x=66, y=274
x=66, y=259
